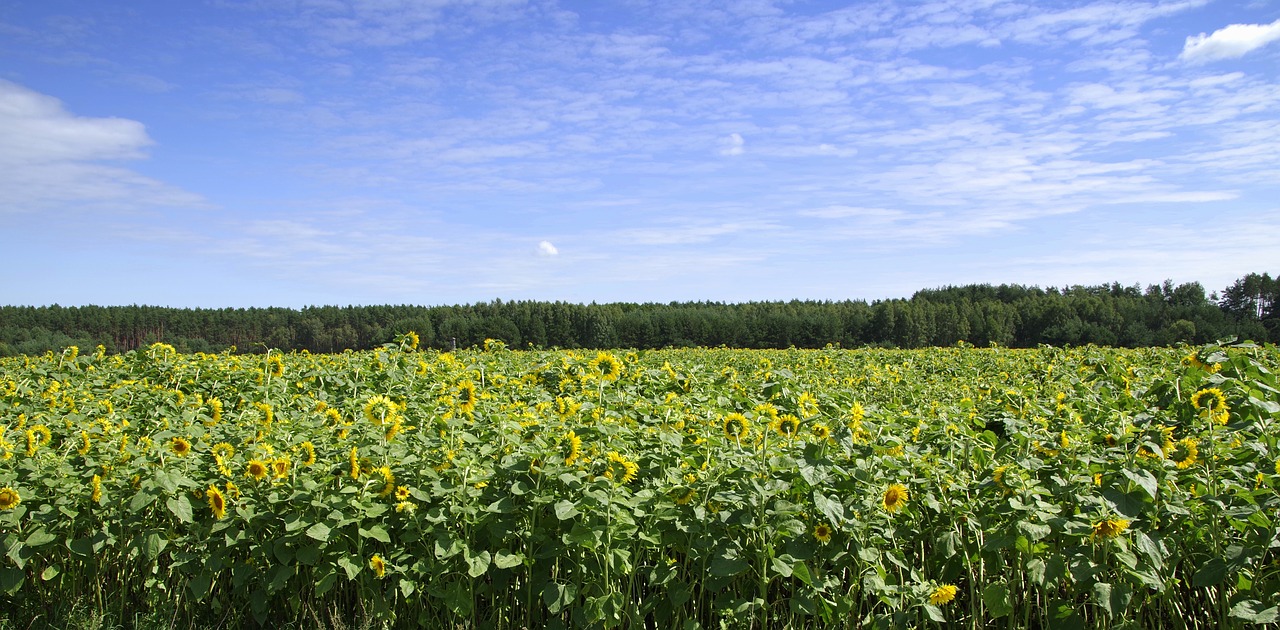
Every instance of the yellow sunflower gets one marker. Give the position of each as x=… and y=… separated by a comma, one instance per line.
x=275, y=365
x=1185, y=452
x=379, y=409
x=379, y=567
x=820, y=431
x=95, y=486
x=895, y=496
x=737, y=427
x=607, y=366
x=942, y=595
x=1212, y=401
x=9, y=498
x=257, y=469
x=621, y=469
x=310, y=453
x=786, y=425
x=1109, y=528
x=217, y=502
x=807, y=404
x=571, y=448
x=180, y=446
x=822, y=533
x=467, y=397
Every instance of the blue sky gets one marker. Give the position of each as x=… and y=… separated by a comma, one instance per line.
x=308, y=152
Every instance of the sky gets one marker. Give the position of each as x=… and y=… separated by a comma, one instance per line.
x=239, y=153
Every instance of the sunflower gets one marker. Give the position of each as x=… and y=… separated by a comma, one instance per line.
x=402, y=493
x=621, y=469
x=223, y=451
x=388, y=481
x=895, y=497
x=1109, y=528
x=379, y=567
x=807, y=404
x=217, y=502
x=37, y=436
x=820, y=431
x=1212, y=401
x=379, y=409
x=684, y=496
x=257, y=469
x=406, y=506
x=9, y=498
x=354, y=459
x=275, y=365
x=412, y=340
x=822, y=532
x=566, y=407
x=942, y=595
x=280, y=467
x=607, y=366
x=786, y=425
x=180, y=446
x=467, y=397
x=737, y=427
x=215, y=410
x=571, y=448
x=85, y=443
x=310, y=450
x=95, y=494
x=1185, y=452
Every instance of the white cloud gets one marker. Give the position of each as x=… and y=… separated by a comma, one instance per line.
x=545, y=248
x=1231, y=42
x=732, y=145
x=50, y=157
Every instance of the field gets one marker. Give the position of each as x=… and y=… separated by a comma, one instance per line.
x=688, y=488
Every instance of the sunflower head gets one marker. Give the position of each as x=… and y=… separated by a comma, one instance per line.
x=9, y=498
x=736, y=427
x=1109, y=528
x=822, y=533
x=180, y=446
x=257, y=469
x=217, y=502
x=895, y=496
x=607, y=366
x=467, y=397
x=942, y=595
x=787, y=426
x=379, y=567
x=571, y=448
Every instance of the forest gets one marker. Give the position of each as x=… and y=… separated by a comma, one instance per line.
x=981, y=314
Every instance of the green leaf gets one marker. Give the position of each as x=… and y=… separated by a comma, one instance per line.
x=50, y=572
x=1034, y=531
x=566, y=510
x=40, y=537
x=478, y=564
x=407, y=587
x=557, y=597
x=181, y=508
x=153, y=544
x=1144, y=479
x=727, y=563
x=801, y=571
x=781, y=565
x=319, y=532
x=1102, y=594
x=141, y=499
x=996, y=598
x=830, y=508
x=504, y=559
x=11, y=579
x=350, y=567
x=377, y=532
x=935, y=613
x=1211, y=574
x=1248, y=611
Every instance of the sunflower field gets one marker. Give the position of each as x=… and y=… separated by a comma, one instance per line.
x=683, y=488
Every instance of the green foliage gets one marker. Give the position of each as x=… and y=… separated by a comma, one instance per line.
x=1044, y=487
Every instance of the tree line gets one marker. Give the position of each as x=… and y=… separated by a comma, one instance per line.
x=981, y=314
